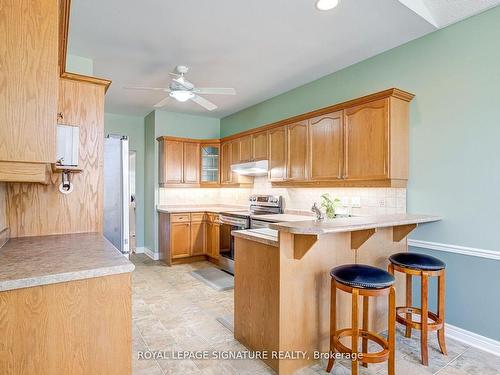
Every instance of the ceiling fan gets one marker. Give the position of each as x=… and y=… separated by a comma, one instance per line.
x=182, y=90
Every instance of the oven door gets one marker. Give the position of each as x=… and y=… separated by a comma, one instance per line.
x=226, y=241
x=256, y=224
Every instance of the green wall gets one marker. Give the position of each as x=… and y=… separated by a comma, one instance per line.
x=454, y=146
x=159, y=123
x=80, y=65
x=189, y=126
x=133, y=127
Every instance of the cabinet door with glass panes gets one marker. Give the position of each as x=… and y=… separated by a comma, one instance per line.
x=210, y=155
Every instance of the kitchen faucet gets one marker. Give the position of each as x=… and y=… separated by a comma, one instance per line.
x=317, y=211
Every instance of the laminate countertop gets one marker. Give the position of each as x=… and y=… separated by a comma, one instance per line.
x=215, y=208
x=351, y=224
x=262, y=235
x=278, y=218
x=33, y=261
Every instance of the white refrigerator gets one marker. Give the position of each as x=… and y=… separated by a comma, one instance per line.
x=116, y=191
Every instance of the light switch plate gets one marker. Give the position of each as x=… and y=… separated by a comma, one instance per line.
x=356, y=202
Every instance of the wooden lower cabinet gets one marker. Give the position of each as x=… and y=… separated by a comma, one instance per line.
x=185, y=237
x=74, y=327
x=180, y=240
x=198, y=238
x=213, y=234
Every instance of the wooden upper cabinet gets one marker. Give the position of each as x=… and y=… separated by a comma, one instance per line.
x=259, y=146
x=226, y=153
x=245, y=149
x=326, y=146
x=235, y=152
x=171, y=162
x=296, y=166
x=191, y=163
x=179, y=162
x=277, y=153
x=367, y=141
x=210, y=164
x=29, y=79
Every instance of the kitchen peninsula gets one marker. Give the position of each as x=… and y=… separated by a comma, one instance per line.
x=282, y=281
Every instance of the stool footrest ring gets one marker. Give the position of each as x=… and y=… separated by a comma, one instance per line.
x=436, y=324
x=377, y=357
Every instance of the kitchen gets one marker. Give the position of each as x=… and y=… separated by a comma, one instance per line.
x=252, y=226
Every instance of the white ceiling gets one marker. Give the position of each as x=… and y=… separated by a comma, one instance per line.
x=260, y=47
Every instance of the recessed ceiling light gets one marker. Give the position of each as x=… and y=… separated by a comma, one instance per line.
x=326, y=4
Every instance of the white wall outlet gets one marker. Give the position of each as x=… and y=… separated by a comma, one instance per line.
x=344, y=201
x=381, y=202
x=356, y=202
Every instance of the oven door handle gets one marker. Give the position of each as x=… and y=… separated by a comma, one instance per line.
x=229, y=221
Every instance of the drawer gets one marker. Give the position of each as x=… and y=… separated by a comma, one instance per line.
x=180, y=218
x=212, y=218
x=198, y=216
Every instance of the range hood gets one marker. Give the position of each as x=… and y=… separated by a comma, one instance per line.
x=253, y=168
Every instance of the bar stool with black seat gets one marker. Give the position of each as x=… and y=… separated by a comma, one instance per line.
x=366, y=281
x=425, y=266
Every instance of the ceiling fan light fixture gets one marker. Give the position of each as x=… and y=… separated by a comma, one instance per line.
x=324, y=5
x=182, y=95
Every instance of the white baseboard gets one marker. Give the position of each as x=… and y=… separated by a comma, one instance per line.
x=140, y=250
x=473, y=339
x=463, y=250
x=151, y=254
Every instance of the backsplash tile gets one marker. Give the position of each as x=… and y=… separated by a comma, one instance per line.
x=374, y=201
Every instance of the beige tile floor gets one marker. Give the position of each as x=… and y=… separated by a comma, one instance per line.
x=173, y=311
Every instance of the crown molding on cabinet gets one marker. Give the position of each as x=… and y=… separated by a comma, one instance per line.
x=187, y=140
x=394, y=92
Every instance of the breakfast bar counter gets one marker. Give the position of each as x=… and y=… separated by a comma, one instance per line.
x=282, y=287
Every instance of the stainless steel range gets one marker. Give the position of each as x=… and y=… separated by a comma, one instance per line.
x=238, y=220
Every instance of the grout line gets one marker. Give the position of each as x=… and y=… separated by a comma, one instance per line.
x=149, y=349
x=147, y=345
x=453, y=360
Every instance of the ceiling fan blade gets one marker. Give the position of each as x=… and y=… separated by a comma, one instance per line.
x=204, y=103
x=162, y=102
x=215, y=90
x=147, y=88
x=174, y=74
x=184, y=83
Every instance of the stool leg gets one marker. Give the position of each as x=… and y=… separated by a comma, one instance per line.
x=365, y=328
x=409, y=291
x=333, y=324
x=424, y=319
x=354, y=342
x=391, y=334
x=441, y=309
